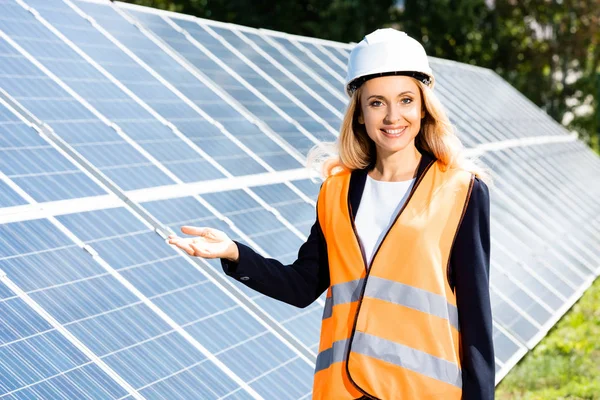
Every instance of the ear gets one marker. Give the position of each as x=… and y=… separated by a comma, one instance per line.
x=361, y=119
x=422, y=113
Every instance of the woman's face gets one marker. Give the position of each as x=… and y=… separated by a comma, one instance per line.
x=391, y=111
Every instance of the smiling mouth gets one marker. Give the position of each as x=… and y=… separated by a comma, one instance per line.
x=393, y=132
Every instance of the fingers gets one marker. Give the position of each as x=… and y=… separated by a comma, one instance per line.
x=191, y=247
x=194, y=230
x=183, y=244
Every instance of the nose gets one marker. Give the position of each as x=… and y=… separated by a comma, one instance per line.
x=393, y=115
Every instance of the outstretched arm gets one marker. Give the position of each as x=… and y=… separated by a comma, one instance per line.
x=298, y=284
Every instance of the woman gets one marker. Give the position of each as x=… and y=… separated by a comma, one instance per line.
x=401, y=243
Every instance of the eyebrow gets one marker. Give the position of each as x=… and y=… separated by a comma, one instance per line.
x=377, y=96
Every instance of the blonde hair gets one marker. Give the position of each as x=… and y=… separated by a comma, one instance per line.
x=355, y=150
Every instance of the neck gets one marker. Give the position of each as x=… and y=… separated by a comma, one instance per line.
x=398, y=166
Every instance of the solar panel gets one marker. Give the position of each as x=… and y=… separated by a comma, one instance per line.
x=119, y=124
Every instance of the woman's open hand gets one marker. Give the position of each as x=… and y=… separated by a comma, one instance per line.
x=208, y=243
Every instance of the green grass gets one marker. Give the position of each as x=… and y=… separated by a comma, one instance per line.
x=566, y=363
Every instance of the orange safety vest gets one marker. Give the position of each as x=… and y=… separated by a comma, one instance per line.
x=391, y=331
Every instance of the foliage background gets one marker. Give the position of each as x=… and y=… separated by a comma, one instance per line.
x=548, y=49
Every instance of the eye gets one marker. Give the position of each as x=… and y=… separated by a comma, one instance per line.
x=376, y=103
x=406, y=100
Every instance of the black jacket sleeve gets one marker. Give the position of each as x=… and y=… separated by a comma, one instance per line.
x=298, y=284
x=470, y=267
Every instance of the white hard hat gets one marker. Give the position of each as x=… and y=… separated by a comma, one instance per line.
x=387, y=52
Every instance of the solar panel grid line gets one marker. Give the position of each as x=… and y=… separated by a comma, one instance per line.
x=243, y=303
x=10, y=183
x=251, y=118
x=39, y=349
x=307, y=39
x=220, y=185
x=70, y=337
x=335, y=81
x=147, y=107
x=523, y=287
x=550, y=186
x=316, y=59
x=272, y=81
x=326, y=59
x=234, y=74
x=331, y=56
x=278, y=215
x=123, y=329
x=266, y=320
x=201, y=77
x=564, y=279
x=149, y=219
x=132, y=95
x=333, y=52
x=330, y=88
x=542, y=189
x=157, y=310
x=30, y=120
x=482, y=131
x=490, y=105
x=299, y=82
x=91, y=108
x=508, y=198
x=522, y=142
x=517, y=309
x=495, y=109
x=526, y=103
x=512, y=361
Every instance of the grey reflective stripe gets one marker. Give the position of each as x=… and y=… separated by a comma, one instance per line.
x=328, y=309
x=346, y=292
x=412, y=297
x=407, y=357
x=341, y=293
x=334, y=354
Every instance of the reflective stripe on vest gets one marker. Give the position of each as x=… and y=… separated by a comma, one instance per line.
x=392, y=333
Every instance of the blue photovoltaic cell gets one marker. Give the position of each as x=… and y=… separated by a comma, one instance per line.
x=335, y=80
x=294, y=209
x=495, y=103
x=92, y=138
x=281, y=126
x=38, y=168
x=299, y=72
x=304, y=323
x=308, y=187
x=200, y=33
x=9, y=197
x=505, y=347
x=106, y=317
x=37, y=361
x=325, y=59
x=290, y=84
x=194, y=302
x=337, y=52
x=203, y=133
x=153, y=136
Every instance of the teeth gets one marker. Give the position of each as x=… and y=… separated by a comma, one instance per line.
x=394, y=131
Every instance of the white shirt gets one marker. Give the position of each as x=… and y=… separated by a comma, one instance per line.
x=379, y=205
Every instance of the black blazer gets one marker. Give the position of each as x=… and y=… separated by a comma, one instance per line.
x=302, y=282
